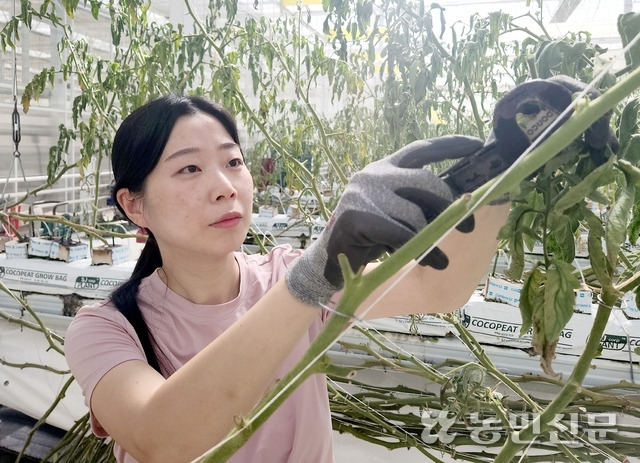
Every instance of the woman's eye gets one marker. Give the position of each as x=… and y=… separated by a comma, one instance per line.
x=236, y=162
x=189, y=169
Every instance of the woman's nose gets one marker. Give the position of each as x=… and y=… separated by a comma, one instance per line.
x=222, y=187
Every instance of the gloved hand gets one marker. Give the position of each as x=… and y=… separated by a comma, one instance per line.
x=520, y=117
x=382, y=207
x=534, y=100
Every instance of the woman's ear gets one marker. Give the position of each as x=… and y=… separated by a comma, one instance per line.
x=132, y=205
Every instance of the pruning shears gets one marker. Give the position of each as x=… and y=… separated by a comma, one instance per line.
x=519, y=118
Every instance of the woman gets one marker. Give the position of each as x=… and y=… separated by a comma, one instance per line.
x=200, y=332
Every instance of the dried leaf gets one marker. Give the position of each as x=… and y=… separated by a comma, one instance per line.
x=546, y=357
x=551, y=306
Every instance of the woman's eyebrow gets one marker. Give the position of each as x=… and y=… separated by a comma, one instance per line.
x=229, y=145
x=192, y=149
x=181, y=152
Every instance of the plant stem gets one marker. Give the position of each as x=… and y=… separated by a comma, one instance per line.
x=43, y=418
x=569, y=391
x=55, y=341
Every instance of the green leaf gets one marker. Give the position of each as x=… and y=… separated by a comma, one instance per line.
x=548, y=302
x=631, y=151
x=565, y=241
x=549, y=55
x=516, y=251
x=631, y=172
x=70, y=7
x=633, y=230
x=598, y=177
x=599, y=197
x=530, y=237
x=628, y=28
x=628, y=122
x=531, y=297
x=616, y=225
x=598, y=258
x=559, y=298
x=95, y=8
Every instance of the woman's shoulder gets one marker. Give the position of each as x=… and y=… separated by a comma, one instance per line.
x=266, y=269
x=279, y=256
x=101, y=309
x=98, y=320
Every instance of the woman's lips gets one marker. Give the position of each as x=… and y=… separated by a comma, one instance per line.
x=228, y=221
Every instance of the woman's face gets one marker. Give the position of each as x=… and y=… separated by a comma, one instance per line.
x=198, y=198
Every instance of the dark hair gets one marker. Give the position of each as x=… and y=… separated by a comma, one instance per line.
x=137, y=147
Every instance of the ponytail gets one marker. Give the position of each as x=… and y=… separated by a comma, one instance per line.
x=125, y=297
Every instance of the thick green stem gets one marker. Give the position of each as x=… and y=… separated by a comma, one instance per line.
x=569, y=391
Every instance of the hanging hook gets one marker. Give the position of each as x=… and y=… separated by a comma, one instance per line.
x=15, y=124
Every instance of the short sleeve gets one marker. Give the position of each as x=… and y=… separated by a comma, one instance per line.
x=271, y=267
x=98, y=339
x=267, y=269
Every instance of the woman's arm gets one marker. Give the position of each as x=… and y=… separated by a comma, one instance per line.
x=179, y=418
x=427, y=290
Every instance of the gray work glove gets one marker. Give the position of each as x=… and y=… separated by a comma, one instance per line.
x=382, y=207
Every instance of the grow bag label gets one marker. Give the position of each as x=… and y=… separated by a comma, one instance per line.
x=501, y=324
x=32, y=276
x=58, y=277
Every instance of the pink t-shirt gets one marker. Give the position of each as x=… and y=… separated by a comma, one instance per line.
x=100, y=337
